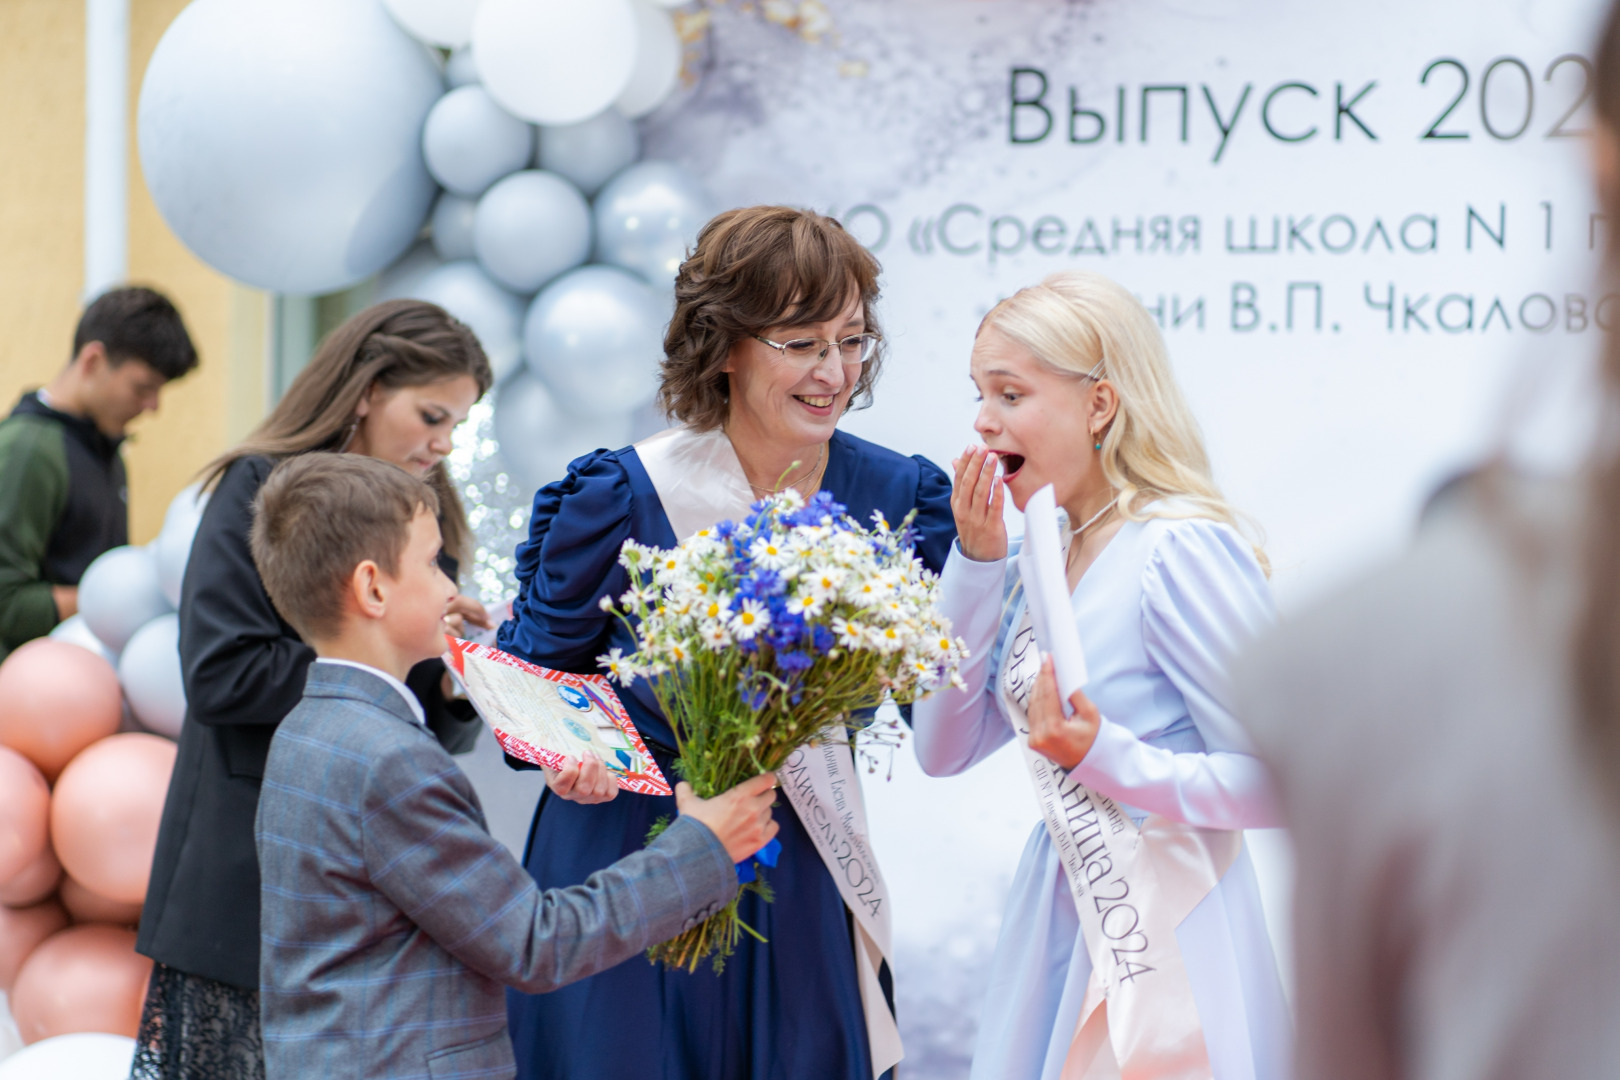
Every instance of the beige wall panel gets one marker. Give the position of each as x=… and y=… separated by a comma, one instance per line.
x=41, y=188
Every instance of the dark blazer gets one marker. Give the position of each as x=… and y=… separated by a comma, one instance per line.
x=244, y=670
x=391, y=918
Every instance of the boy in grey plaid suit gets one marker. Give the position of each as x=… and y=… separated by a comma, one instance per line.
x=391, y=918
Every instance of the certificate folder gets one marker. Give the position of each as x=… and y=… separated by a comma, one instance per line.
x=546, y=717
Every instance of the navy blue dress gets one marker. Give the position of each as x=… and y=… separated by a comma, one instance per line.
x=787, y=1010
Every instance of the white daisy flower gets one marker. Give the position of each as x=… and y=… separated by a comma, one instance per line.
x=750, y=620
x=617, y=665
x=808, y=604
x=771, y=552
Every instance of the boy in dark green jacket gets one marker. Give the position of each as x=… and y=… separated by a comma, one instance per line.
x=63, y=494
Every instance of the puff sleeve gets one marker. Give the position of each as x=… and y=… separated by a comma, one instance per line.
x=569, y=562
x=1204, y=597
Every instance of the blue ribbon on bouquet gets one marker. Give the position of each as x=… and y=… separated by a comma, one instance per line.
x=766, y=856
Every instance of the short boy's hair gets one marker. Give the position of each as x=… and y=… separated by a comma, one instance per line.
x=317, y=517
x=137, y=323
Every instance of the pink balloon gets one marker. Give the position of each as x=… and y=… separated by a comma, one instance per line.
x=91, y=907
x=105, y=813
x=21, y=931
x=85, y=978
x=56, y=698
x=37, y=881
x=24, y=812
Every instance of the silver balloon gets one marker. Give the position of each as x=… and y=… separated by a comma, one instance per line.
x=452, y=227
x=647, y=218
x=437, y=22
x=460, y=70
x=492, y=313
x=590, y=152
x=658, y=62
x=172, y=548
x=530, y=227
x=281, y=139
x=149, y=671
x=469, y=142
x=120, y=593
x=404, y=278
x=537, y=436
x=595, y=336
x=75, y=631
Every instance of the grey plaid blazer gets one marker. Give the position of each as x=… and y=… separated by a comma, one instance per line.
x=391, y=918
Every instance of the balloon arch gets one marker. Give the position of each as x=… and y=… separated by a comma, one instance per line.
x=479, y=154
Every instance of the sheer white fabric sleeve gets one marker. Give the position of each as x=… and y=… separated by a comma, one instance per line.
x=954, y=730
x=1203, y=598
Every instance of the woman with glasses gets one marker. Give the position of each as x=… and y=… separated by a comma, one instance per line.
x=1133, y=942
x=773, y=338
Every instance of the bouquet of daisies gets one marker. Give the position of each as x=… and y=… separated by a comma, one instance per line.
x=763, y=635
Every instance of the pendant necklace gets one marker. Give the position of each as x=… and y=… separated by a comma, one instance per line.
x=815, y=470
x=1074, y=537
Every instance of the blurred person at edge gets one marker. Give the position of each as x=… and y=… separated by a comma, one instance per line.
x=64, y=498
x=391, y=383
x=1445, y=738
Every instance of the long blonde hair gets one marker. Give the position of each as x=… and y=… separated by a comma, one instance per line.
x=1080, y=323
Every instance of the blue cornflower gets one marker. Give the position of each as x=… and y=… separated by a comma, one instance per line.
x=793, y=660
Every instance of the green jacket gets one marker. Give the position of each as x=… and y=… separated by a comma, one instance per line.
x=63, y=501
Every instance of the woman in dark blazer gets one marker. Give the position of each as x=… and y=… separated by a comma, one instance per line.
x=391, y=383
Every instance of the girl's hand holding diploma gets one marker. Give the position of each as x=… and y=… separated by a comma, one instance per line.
x=1065, y=740
x=977, y=497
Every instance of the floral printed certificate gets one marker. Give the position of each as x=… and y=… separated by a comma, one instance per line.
x=545, y=717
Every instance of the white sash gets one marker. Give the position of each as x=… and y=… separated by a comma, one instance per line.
x=700, y=482
x=1132, y=887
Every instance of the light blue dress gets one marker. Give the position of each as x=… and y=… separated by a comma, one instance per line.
x=1160, y=612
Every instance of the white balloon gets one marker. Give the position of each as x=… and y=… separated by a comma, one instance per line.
x=492, y=313
x=149, y=671
x=437, y=22
x=537, y=437
x=75, y=631
x=658, y=62
x=531, y=227
x=80, y=1056
x=281, y=139
x=453, y=227
x=469, y=141
x=172, y=547
x=590, y=152
x=555, y=61
x=648, y=216
x=120, y=593
x=404, y=278
x=460, y=70
x=596, y=336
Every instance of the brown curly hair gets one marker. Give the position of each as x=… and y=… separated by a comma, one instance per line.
x=754, y=268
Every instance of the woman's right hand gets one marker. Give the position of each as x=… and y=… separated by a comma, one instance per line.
x=582, y=782
x=977, y=497
x=741, y=817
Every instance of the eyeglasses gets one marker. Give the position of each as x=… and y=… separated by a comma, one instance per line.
x=808, y=352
